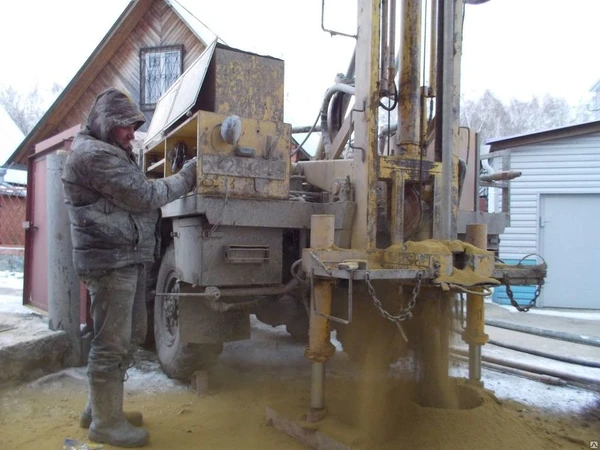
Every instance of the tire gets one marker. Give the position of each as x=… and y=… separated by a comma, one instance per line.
x=177, y=359
x=151, y=274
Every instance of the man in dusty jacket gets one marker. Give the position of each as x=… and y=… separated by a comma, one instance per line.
x=114, y=210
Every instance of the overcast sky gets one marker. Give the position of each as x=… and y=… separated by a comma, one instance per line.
x=515, y=48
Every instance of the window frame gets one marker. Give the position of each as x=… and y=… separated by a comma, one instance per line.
x=144, y=106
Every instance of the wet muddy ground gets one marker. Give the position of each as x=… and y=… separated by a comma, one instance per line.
x=379, y=412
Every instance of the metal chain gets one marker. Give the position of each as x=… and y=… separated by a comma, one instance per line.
x=406, y=313
x=514, y=303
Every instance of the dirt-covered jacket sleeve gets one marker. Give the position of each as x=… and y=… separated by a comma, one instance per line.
x=123, y=183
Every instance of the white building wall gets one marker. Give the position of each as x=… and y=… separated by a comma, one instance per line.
x=568, y=165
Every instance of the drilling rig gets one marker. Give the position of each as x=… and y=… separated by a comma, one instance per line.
x=366, y=238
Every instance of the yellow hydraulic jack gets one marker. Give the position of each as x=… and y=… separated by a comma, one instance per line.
x=474, y=334
x=320, y=348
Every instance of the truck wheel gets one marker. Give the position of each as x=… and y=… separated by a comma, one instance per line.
x=178, y=359
x=151, y=273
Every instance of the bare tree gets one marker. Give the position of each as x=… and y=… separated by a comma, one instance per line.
x=493, y=119
x=486, y=115
x=26, y=109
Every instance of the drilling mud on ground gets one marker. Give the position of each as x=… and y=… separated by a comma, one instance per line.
x=270, y=370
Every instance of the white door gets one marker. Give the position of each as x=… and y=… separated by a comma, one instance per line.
x=570, y=244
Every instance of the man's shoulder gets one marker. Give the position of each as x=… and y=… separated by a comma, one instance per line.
x=86, y=142
x=87, y=147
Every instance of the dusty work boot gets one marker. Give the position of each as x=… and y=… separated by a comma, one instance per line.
x=135, y=418
x=109, y=425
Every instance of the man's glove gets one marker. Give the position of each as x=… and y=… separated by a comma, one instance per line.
x=188, y=171
x=190, y=162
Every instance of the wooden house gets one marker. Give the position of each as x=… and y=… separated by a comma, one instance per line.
x=150, y=45
x=13, y=194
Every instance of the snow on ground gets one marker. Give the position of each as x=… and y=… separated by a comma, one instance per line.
x=557, y=399
x=11, y=293
x=11, y=280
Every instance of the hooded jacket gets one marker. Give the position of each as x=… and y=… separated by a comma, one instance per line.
x=113, y=208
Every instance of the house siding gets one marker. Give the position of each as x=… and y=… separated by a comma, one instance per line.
x=563, y=166
x=159, y=27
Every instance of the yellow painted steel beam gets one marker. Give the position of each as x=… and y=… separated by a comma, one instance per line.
x=365, y=111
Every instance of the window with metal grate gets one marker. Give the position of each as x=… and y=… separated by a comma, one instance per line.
x=159, y=68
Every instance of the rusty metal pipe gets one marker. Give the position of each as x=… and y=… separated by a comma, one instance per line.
x=213, y=296
x=392, y=46
x=409, y=114
x=501, y=176
x=532, y=351
x=383, y=72
x=218, y=305
x=569, y=376
x=559, y=335
x=257, y=291
x=237, y=292
x=305, y=129
x=546, y=379
x=433, y=48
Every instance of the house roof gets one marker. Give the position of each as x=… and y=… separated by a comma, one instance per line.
x=102, y=54
x=201, y=31
x=515, y=142
x=11, y=135
x=300, y=150
x=8, y=190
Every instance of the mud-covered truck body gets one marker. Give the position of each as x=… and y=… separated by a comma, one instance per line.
x=229, y=247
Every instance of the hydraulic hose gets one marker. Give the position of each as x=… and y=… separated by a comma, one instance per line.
x=339, y=87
